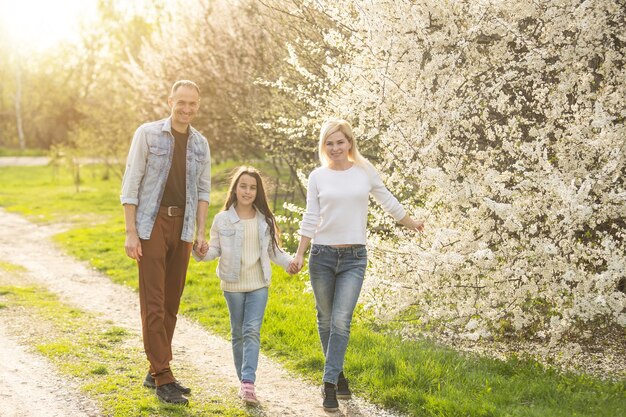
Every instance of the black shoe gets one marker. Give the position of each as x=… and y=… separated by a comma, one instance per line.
x=170, y=394
x=150, y=383
x=330, y=397
x=183, y=389
x=343, y=391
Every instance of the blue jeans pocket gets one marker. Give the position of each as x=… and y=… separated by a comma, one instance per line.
x=315, y=250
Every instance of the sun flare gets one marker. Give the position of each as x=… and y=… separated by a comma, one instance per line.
x=42, y=24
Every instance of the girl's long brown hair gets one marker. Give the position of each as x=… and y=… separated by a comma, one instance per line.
x=260, y=201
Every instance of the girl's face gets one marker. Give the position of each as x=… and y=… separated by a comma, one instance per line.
x=246, y=190
x=337, y=147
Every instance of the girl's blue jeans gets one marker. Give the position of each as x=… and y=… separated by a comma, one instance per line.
x=246, y=311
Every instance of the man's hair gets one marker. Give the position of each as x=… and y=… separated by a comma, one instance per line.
x=184, y=83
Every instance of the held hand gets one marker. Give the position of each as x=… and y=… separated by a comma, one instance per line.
x=201, y=247
x=296, y=265
x=199, y=242
x=132, y=246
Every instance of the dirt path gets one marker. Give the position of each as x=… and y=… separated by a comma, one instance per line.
x=29, y=245
x=31, y=161
x=7, y=161
x=30, y=387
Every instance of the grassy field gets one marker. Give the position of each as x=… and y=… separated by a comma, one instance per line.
x=417, y=378
x=94, y=353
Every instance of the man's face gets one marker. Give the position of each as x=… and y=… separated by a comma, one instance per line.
x=184, y=104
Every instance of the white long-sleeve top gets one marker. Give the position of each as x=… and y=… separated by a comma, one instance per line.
x=337, y=203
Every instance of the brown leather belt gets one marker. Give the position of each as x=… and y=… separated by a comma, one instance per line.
x=172, y=211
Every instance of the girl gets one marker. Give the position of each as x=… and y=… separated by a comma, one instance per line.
x=244, y=236
x=336, y=221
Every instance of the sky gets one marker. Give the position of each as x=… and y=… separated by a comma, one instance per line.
x=42, y=24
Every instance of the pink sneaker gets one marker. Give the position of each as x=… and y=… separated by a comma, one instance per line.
x=246, y=393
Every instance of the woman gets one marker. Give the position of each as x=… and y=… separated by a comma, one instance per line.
x=335, y=222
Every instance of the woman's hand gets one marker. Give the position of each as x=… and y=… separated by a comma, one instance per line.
x=296, y=265
x=414, y=225
x=418, y=225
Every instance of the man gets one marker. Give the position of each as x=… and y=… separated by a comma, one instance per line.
x=165, y=192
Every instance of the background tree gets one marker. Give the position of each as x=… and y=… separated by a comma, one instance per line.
x=503, y=125
x=109, y=106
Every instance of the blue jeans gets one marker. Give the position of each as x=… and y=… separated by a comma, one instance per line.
x=246, y=311
x=336, y=278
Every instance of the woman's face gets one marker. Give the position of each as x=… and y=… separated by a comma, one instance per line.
x=337, y=147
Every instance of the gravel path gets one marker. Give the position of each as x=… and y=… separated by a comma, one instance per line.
x=29, y=245
x=30, y=387
x=31, y=161
x=7, y=161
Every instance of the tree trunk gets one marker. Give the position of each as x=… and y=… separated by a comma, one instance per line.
x=18, y=107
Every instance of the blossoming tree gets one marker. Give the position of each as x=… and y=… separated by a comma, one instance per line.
x=502, y=124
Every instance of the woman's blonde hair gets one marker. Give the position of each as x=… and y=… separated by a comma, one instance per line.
x=331, y=126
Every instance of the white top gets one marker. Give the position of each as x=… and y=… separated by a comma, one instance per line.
x=336, y=205
x=251, y=277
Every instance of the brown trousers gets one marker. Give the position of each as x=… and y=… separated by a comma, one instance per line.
x=162, y=273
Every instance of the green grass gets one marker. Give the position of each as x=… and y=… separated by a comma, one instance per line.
x=419, y=378
x=93, y=352
x=9, y=267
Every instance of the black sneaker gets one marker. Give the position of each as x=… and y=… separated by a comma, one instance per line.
x=183, y=389
x=343, y=391
x=170, y=394
x=150, y=383
x=330, y=397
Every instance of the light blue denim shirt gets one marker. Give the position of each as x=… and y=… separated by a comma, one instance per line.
x=226, y=243
x=147, y=168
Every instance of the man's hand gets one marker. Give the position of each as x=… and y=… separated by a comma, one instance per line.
x=201, y=247
x=133, y=246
